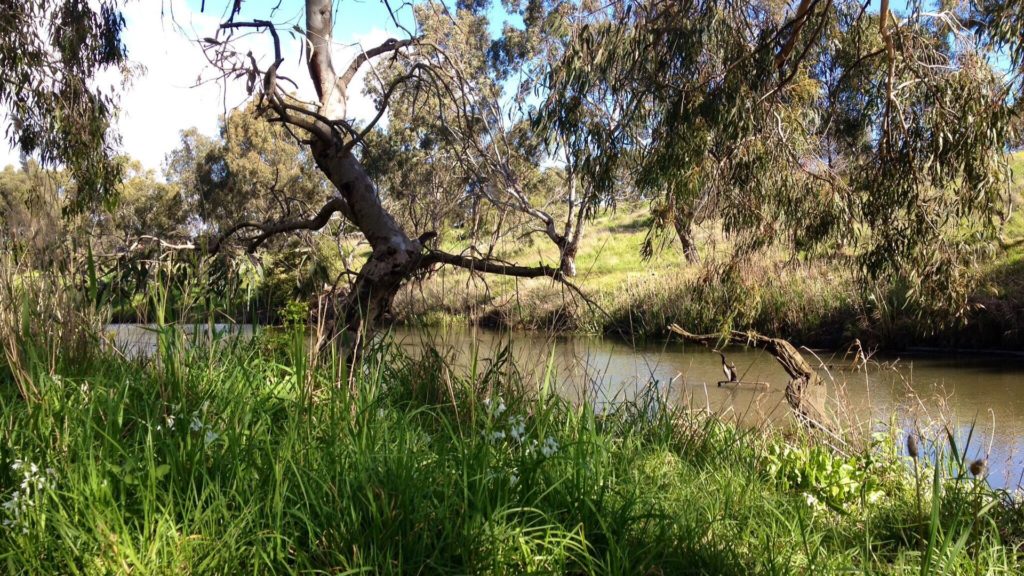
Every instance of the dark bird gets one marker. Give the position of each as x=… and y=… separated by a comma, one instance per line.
x=912, y=446
x=979, y=467
x=728, y=368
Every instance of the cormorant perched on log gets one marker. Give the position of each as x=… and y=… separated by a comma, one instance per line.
x=728, y=367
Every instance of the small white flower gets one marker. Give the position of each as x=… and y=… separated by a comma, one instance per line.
x=197, y=424
x=169, y=419
x=498, y=435
x=550, y=447
x=513, y=479
x=499, y=409
x=210, y=437
x=812, y=501
x=17, y=465
x=517, y=428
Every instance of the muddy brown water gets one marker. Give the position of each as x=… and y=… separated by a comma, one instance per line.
x=977, y=396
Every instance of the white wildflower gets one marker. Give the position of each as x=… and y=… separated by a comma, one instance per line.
x=517, y=428
x=33, y=483
x=1017, y=497
x=550, y=447
x=499, y=409
x=169, y=420
x=197, y=424
x=812, y=501
x=210, y=437
x=513, y=479
x=497, y=435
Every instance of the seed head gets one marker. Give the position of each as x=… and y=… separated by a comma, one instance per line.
x=912, y=446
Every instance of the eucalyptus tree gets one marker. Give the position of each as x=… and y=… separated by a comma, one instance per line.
x=446, y=61
x=251, y=171
x=51, y=52
x=30, y=212
x=819, y=124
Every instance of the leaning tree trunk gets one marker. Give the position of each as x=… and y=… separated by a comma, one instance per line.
x=801, y=374
x=394, y=257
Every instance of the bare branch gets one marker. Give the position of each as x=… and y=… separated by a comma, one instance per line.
x=382, y=107
x=260, y=24
x=489, y=265
x=335, y=204
x=389, y=45
x=800, y=372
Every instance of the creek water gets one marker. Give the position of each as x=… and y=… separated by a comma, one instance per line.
x=980, y=398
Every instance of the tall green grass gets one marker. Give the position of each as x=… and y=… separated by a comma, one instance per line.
x=232, y=456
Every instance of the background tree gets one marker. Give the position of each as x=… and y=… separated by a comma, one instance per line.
x=50, y=54
x=819, y=124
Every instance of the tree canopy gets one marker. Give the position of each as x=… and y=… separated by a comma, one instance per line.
x=51, y=52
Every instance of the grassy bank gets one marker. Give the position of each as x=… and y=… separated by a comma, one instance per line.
x=251, y=457
x=813, y=300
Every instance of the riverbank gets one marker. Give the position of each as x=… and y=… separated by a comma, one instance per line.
x=257, y=459
x=815, y=301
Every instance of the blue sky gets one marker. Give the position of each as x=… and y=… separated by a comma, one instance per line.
x=175, y=92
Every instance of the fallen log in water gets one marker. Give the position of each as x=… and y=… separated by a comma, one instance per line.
x=800, y=372
x=757, y=385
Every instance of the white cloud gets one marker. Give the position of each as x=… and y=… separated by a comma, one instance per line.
x=179, y=89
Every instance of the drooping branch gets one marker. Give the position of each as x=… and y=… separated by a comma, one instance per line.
x=389, y=45
x=382, y=106
x=258, y=24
